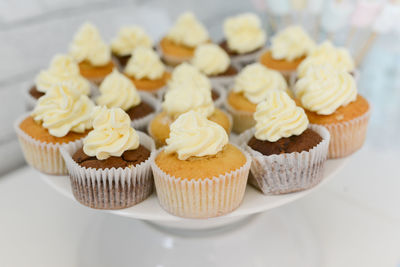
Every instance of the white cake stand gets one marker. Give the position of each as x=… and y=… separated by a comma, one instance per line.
x=254, y=202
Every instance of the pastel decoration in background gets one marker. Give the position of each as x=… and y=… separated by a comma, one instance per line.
x=315, y=6
x=387, y=21
x=298, y=5
x=260, y=5
x=279, y=8
x=365, y=13
x=335, y=16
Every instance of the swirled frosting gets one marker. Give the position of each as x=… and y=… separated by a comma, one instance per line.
x=186, y=75
x=128, y=39
x=211, y=59
x=188, y=31
x=278, y=116
x=324, y=89
x=244, y=33
x=180, y=100
x=255, y=81
x=327, y=54
x=291, y=43
x=192, y=135
x=117, y=91
x=63, y=109
x=88, y=46
x=145, y=63
x=62, y=68
x=112, y=134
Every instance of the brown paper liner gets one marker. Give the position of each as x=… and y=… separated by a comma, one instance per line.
x=110, y=188
x=289, y=172
x=45, y=157
x=204, y=198
x=347, y=137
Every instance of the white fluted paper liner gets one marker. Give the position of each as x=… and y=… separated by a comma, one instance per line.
x=141, y=123
x=347, y=137
x=110, y=188
x=204, y=198
x=45, y=157
x=289, y=172
x=241, y=61
x=242, y=120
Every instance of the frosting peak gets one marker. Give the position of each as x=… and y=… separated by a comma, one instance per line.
x=211, y=59
x=186, y=75
x=128, y=39
x=145, y=63
x=112, y=134
x=62, y=68
x=327, y=54
x=324, y=89
x=188, y=31
x=255, y=80
x=182, y=99
x=88, y=45
x=192, y=135
x=291, y=43
x=244, y=33
x=63, y=109
x=118, y=91
x=278, y=116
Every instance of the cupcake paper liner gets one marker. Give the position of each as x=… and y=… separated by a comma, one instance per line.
x=290, y=172
x=347, y=137
x=241, y=61
x=141, y=124
x=225, y=82
x=110, y=188
x=242, y=120
x=45, y=157
x=203, y=198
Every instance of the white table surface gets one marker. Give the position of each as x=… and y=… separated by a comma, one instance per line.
x=39, y=227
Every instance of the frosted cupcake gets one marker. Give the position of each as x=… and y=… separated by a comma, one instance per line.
x=250, y=88
x=244, y=38
x=117, y=91
x=128, y=39
x=182, y=100
x=326, y=54
x=330, y=99
x=61, y=116
x=146, y=70
x=111, y=170
x=214, y=62
x=288, y=49
x=182, y=39
x=92, y=54
x=287, y=153
x=186, y=75
x=199, y=174
x=62, y=69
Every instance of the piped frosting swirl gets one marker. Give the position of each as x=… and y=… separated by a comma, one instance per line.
x=129, y=38
x=145, y=64
x=211, y=59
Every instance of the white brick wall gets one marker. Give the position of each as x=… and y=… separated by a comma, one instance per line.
x=31, y=32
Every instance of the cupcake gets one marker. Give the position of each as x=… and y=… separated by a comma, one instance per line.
x=129, y=38
x=250, y=88
x=111, y=170
x=244, y=38
x=146, y=70
x=288, y=49
x=214, y=62
x=181, y=100
x=117, y=91
x=186, y=75
x=199, y=174
x=330, y=99
x=92, y=54
x=288, y=154
x=182, y=39
x=62, y=68
x=326, y=54
x=61, y=116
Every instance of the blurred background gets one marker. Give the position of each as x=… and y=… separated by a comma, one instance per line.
x=31, y=32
